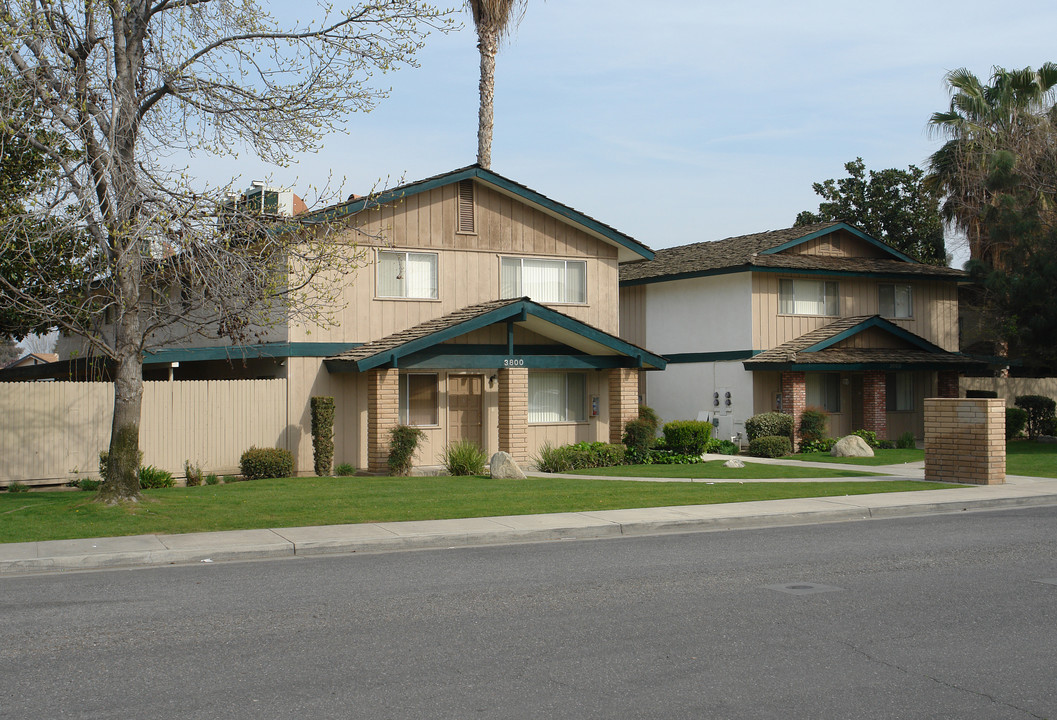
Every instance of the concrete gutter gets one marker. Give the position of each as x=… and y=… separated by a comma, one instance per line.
x=152, y=550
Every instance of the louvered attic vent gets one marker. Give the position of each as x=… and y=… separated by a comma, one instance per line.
x=466, y=208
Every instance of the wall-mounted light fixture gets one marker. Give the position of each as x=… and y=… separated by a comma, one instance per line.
x=491, y=379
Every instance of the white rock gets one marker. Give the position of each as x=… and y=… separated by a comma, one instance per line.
x=503, y=466
x=851, y=446
x=734, y=463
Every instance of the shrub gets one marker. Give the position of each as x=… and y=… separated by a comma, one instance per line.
x=813, y=424
x=88, y=484
x=322, y=434
x=638, y=435
x=552, y=459
x=1040, y=410
x=770, y=446
x=869, y=436
x=688, y=437
x=464, y=458
x=212, y=479
x=151, y=477
x=193, y=473
x=257, y=463
x=227, y=479
x=769, y=424
x=885, y=445
x=821, y=446
x=345, y=470
x=403, y=443
x=668, y=457
x=650, y=416
x=721, y=447
x=595, y=454
x=906, y=441
x=17, y=487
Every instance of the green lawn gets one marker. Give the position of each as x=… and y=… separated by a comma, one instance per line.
x=714, y=470
x=326, y=501
x=1031, y=458
x=881, y=457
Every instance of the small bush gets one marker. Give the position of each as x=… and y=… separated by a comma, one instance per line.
x=403, y=443
x=17, y=487
x=770, y=446
x=322, y=434
x=193, y=473
x=639, y=435
x=257, y=463
x=345, y=470
x=596, y=454
x=818, y=446
x=721, y=447
x=668, y=457
x=464, y=458
x=1040, y=409
x=212, y=479
x=553, y=459
x=813, y=424
x=88, y=484
x=885, y=445
x=769, y=424
x=688, y=437
x=1016, y=421
x=906, y=441
x=228, y=479
x=151, y=478
x=650, y=416
x=869, y=436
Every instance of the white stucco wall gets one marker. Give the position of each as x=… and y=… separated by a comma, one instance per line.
x=684, y=391
x=709, y=314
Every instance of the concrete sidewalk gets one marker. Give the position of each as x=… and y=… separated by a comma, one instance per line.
x=146, y=550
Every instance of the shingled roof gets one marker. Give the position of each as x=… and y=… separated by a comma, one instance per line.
x=760, y=250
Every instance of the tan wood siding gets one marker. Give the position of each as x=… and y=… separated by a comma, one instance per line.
x=935, y=309
x=633, y=314
x=839, y=244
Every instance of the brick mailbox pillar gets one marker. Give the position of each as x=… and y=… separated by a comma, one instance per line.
x=383, y=414
x=513, y=413
x=623, y=400
x=965, y=440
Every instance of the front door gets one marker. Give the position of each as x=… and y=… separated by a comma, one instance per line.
x=465, y=408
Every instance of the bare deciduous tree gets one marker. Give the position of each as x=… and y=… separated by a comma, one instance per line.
x=120, y=86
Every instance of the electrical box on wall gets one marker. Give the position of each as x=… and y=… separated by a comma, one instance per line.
x=778, y=402
x=594, y=406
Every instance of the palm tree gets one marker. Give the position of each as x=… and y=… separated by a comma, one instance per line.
x=493, y=19
x=983, y=121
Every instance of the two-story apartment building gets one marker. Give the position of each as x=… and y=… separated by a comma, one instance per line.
x=821, y=316
x=481, y=310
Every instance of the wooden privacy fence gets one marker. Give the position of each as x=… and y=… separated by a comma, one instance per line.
x=1009, y=388
x=53, y=431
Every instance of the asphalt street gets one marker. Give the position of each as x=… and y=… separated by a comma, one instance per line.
x=950, y=616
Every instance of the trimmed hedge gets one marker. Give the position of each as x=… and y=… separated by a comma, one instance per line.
x=579, y=456
x=1016, y=421
x=258, y=463
x=639, y=435
x=403, y=442
x=813, y=422
x=687, y=437
x=769, y=424
x=770, y=446
x=322, y=434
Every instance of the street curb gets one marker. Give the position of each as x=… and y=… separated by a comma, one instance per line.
x=598, y=528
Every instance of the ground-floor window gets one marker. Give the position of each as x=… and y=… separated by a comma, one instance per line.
x=899, y=392
x=823, y=391
x=557, y=397
x=418, y=399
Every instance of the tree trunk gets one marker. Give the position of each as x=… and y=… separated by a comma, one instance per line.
x=488, y=45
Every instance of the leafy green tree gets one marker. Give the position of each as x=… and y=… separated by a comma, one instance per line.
x=493, y=19
x=891, y=205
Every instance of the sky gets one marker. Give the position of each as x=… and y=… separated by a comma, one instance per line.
x=677, y=121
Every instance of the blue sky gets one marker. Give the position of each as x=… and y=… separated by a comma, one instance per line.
x=678, y=121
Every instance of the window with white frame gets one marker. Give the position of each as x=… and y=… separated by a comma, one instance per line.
x=899, y=392
x=410, y=275
x=895, y=301
x=557, y=397
x=557, y=281
x=418, y=399
x=807, y=297
x=823, y=391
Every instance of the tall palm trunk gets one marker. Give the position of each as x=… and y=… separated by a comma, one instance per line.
x=488, y=45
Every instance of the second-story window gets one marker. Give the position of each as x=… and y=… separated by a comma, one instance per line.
x=807, y=297
x=407, y=275
x=557, y=281
x=895, y=301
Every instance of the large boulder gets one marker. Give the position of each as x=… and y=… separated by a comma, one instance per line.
x=503, y=466
x=734, y=463
x=851, y=446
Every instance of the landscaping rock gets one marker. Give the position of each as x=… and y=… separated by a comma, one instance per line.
x=851, y=446
x=503, y=466
x=1046, y=439
x=734, y=463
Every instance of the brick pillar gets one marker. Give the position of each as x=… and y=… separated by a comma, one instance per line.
x=875, y=403
x=965, y=440
x=383, y=414
x=623, y=400
x=513, y=413
x=947, y=383
x=794, y=398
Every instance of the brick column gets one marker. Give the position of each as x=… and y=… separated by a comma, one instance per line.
x=513, y=413
x=875, y=403
x=623, y=400
x=947, y=383
x=383, y=414
x=794, y=399
x=965, y=440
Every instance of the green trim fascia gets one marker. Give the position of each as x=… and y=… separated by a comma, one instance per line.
x=603, y=338
x=704, y=357
x=246, y=352
x=876, y=322
x=850, y=367
x=834, y=228
x=496, y=362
